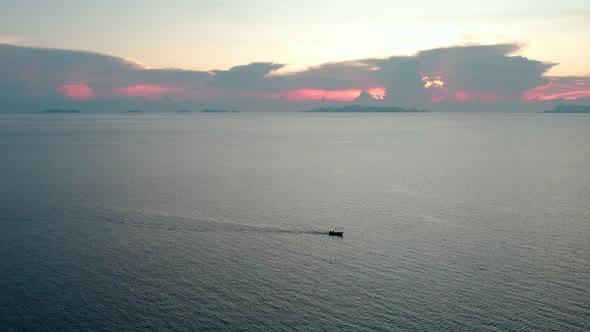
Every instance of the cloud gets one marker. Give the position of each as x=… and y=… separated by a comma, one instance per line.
x=472, y=73
x=247, y=77
x=568, y=88
x=461, y=73
x=484, y=69
x=485, y=73
x=357, y=74
x=405, y=83
x=53, y=73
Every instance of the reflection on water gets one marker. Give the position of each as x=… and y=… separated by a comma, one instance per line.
x=191, y=222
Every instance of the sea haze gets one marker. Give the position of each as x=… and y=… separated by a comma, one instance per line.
x=191, y=222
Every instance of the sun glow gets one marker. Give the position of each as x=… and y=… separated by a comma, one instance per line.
x=436, y=82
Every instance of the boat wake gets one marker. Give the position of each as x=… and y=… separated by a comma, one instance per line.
x=151, y=220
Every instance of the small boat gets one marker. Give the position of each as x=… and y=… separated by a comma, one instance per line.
x=335, y=233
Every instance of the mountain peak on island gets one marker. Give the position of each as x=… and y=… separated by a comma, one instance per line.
x=365, y=98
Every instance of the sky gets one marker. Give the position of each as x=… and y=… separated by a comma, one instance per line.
x=401, y=52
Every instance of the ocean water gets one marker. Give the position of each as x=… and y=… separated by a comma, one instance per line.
x=194, y=222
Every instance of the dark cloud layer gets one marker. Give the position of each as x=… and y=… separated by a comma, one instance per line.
x=485, y=69
x=244, y=77
x=459, y=73
x=39, y=72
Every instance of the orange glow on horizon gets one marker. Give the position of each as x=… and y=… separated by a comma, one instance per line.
x=315, y=94
x=436, y=88
x=345, y=95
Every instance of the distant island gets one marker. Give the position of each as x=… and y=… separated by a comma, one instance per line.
x=183, y=111
x=133, y=111
x=364, y=109
x=60, y=111
x=209, y=110
x=570, y=109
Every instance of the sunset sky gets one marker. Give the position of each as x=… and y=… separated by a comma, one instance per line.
x=192, y=50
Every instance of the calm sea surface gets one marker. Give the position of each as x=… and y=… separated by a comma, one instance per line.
x=189, y=222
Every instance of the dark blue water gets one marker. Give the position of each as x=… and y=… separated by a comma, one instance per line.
x=191, y=222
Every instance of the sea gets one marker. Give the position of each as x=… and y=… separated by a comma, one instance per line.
x=219, y=222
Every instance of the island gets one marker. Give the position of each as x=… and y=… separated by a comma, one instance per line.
x=209, y=110
x=570, y=109
x=364, y=109
x=57, y=110
x=183, y=111
x=133, y=111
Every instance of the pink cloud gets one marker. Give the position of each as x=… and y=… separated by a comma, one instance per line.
x=76, y=91
x=440, y=92
x=345, y=95
x=175, y=93
x=479, y=97
x=147, y=91
x=560, y=88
